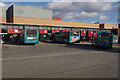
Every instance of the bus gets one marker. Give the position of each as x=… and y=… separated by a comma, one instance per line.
x=29, y=36
x=66, y=37
x=103, y=39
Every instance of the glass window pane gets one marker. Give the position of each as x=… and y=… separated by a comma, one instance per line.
x=48, y=28
x=4, y=26
x=53, y=28
x=40, y=27
x=10, y=26
x=20, y=27
x=60, y=28
x=15, y=26
x=26, y=27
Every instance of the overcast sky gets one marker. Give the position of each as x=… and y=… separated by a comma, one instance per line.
x=104, y=12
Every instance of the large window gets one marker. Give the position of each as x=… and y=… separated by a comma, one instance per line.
x=15, y=26
x=20, y=27
x=27, y=27
x=9, y=26
x=60, y=28
x=55, y=28
x=48, y=28
x=31, y=32
x=44, y=27
x=40, y=28
x=35, y=27
x=74, y=33
x=4, y=28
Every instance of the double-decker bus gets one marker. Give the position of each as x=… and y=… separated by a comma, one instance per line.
x=66, y=37
x=103, y=39
x=29, y=36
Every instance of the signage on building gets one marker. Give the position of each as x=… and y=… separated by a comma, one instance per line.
x=53, y=31
x=13, y=30
x=90, y=33
x=83, y=33
x=43, y=31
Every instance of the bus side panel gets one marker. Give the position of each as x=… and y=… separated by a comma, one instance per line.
x=64, y=38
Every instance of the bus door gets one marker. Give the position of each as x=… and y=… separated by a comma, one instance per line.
x=31, y=36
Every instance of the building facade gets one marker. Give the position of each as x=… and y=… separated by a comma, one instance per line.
x=15, y=12
x=3, y=14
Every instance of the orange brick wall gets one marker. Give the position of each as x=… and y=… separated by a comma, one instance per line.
x=25, y=20
x=110, y=26
x=35, y=21
x=3, y=19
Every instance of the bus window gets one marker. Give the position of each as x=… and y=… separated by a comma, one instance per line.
x=31, y=32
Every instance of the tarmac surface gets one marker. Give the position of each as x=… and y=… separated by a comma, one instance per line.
x=53, y=60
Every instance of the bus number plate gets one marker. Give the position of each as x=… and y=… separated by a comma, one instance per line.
x=31, y=38
x=74, y=39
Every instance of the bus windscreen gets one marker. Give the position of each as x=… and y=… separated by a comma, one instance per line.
x=74, y=33
x=105, y=35
x=31, y=32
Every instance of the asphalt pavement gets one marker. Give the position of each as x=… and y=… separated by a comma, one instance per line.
x=53, y=60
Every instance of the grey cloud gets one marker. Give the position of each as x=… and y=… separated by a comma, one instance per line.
x=93, y=6
x=67, y=10
x=3, y=4
x=76, y=16
x=83, y=6
x=85, y=0
x=104, y=18
x=61, y=6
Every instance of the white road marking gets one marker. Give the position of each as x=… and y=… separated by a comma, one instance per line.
x=54, y=55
